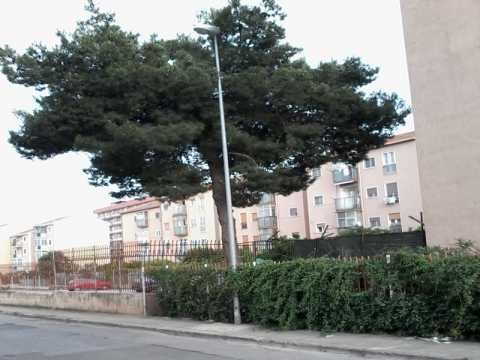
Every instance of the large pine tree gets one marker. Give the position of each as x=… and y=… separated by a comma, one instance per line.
x=147, y=112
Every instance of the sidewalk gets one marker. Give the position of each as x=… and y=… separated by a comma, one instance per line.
x=383, y=345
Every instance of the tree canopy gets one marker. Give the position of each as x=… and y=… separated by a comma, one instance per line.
x=147, y=111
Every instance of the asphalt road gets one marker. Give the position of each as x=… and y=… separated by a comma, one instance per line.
x=35, y=339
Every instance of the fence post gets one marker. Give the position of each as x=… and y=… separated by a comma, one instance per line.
x=54, y=270
x=94, y=268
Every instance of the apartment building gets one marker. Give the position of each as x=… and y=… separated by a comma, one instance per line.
x=442, y=43
x=113, y=216
x=150, y=220
x=4, y=248
x=22, y=250
x=381, y=192
x=26, y=247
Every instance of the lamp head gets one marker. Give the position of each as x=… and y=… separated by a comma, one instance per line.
x=205, y=29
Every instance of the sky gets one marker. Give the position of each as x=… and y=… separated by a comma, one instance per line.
x=35, y=191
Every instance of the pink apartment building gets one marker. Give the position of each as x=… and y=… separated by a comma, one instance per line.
x=381, y=192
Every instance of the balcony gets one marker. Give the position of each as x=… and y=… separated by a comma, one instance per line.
x=180, y=224
x=267, y=199
x=141, y=219
x=396, y=228
x=180, y=230
x=391, y=200
x=267, y=222
x=347, y=203
x=344, y=175
x=389, y=169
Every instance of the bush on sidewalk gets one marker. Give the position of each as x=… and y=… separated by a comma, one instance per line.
x=416, y=294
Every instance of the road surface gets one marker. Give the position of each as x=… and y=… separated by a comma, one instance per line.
x=35, y=339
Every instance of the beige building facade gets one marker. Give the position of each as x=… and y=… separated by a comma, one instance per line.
x=442, y=41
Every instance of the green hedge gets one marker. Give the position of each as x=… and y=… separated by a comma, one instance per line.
x=413, y=295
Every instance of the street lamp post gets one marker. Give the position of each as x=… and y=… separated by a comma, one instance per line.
x=213, y=31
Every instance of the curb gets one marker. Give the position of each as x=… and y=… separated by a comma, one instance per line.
x=187, y=333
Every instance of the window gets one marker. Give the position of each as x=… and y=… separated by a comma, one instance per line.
x=320, y=228
x=375, y=222
x=369, y=163
x=202, y=202
x=165, y=206
x=157, y=215
x=389, y=163
x=293, y=212
x=388, y=158
x=372, y=192
x=395, y=222
x=203, y=226
x=316, y=172
x=254, y=216
x=166, y=226
x=141, y=219
x=392, y=191
x=245, y=238
x=318, y=200
x=243, y=220
x=193, y=223
x=158, y=234
x=347, y=219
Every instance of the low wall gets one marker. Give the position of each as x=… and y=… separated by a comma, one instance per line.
x=107, y=302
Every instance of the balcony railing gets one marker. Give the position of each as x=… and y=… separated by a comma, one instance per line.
x=180, y=230
x=347, y=203
x=396, y=228
x=346, y=175
x=267, y=222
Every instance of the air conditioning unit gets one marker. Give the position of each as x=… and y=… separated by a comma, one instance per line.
x=390, y=200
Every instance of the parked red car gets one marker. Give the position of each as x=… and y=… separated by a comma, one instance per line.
x=89, y=284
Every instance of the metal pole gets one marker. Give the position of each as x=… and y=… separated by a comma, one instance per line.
x=228, y=193
x=95, y=268
x=144, y=293
x=54, y=267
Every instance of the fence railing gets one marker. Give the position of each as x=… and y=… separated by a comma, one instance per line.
x=118, y=267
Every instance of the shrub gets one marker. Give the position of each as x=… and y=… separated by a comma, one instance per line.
x=204, y=255
x=415, y=294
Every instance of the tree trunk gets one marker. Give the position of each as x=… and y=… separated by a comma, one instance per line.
x=219, y=197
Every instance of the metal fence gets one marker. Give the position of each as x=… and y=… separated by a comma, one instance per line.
x=118, y=267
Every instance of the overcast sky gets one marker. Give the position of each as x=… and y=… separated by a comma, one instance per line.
x=36, y=191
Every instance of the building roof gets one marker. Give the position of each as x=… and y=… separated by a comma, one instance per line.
x=124, y=204
x=408, y=136
x=144, y=206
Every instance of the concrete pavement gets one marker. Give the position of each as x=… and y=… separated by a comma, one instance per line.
x=380, y=345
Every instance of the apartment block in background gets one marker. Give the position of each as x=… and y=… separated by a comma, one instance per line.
x=30, y=245
x=4, y=249
x=113, y=216
x=381, y=192
x=442, y=41
x=22, y=250
x=150, y=220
